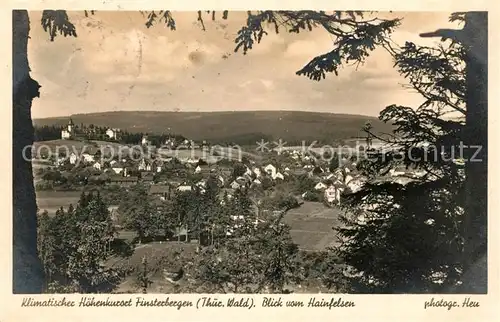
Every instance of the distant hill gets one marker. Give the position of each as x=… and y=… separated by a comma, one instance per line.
x=240, y=127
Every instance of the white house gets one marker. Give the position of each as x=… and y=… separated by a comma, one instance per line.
x=197, y=169
x=72, y=158
x=60, y=160
x=355, y=184
x=112, y=133
x=184, y=188
x=145, y=140
x=97, y=166
x=278, y=175
x=117, y=169
x=257, y=172
x=235, y=185
x=332, y=194
x=257, y=181
x=65, y=135
x=88, y=157
x=144, y=166
x=320, y=186
x=270, y=170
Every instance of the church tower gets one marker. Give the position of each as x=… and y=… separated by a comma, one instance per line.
x=71, y=125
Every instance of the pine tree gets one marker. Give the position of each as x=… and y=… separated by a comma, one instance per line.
x=406, y=236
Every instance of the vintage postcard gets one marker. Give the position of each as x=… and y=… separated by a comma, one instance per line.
x=193, y=163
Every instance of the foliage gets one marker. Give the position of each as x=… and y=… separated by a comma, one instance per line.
x=138, y=213
x=74, y=244
x=262, y=259
x=143, y=278
x=428, y=209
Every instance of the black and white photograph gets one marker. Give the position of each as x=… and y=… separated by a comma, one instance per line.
x=250, y=152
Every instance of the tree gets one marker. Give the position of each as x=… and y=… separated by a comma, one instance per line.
x=239, y=169
x=334, y=163
x=46, y=244
x=75, y=243
x=474, y=39
x=138, y=213
x=144, y=280
x=367, y=128
x=354, y=36
x=260, y=257
x=428, y=209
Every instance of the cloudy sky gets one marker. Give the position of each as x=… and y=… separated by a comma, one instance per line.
x=116, y=63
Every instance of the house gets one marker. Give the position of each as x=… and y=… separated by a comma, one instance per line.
x=332, y=193
x=72, y=158
x=145, y=140
x=118, y=169
x=97, y=166
x=278, y=175
x=270, y=170
x=235, y=185
x=144, y=165
x=147, y=177
x=184, y=188
x=162, y=191
x=202, y=184
x=320, y=186
x=112, y=133
x=157, y=165
x=87, y=157
x=60, y=161
x=257, y=171
x=123, y=181
x=68, y=132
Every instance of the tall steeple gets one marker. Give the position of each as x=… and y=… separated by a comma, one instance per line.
x=71, y=125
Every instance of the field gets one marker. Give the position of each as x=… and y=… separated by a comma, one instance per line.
x=242, y=127
x=311, y=225
x=53, y=200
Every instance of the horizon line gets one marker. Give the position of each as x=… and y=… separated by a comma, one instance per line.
x=199, y=112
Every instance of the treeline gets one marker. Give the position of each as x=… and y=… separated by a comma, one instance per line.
x=47, y=132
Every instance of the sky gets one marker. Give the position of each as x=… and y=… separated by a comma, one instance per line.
x=116, y=63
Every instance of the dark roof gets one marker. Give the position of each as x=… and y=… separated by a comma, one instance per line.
x=159, y=189
x=123, y=179
x=148, y=176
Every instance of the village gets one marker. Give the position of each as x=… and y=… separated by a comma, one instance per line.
x=313, y=182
